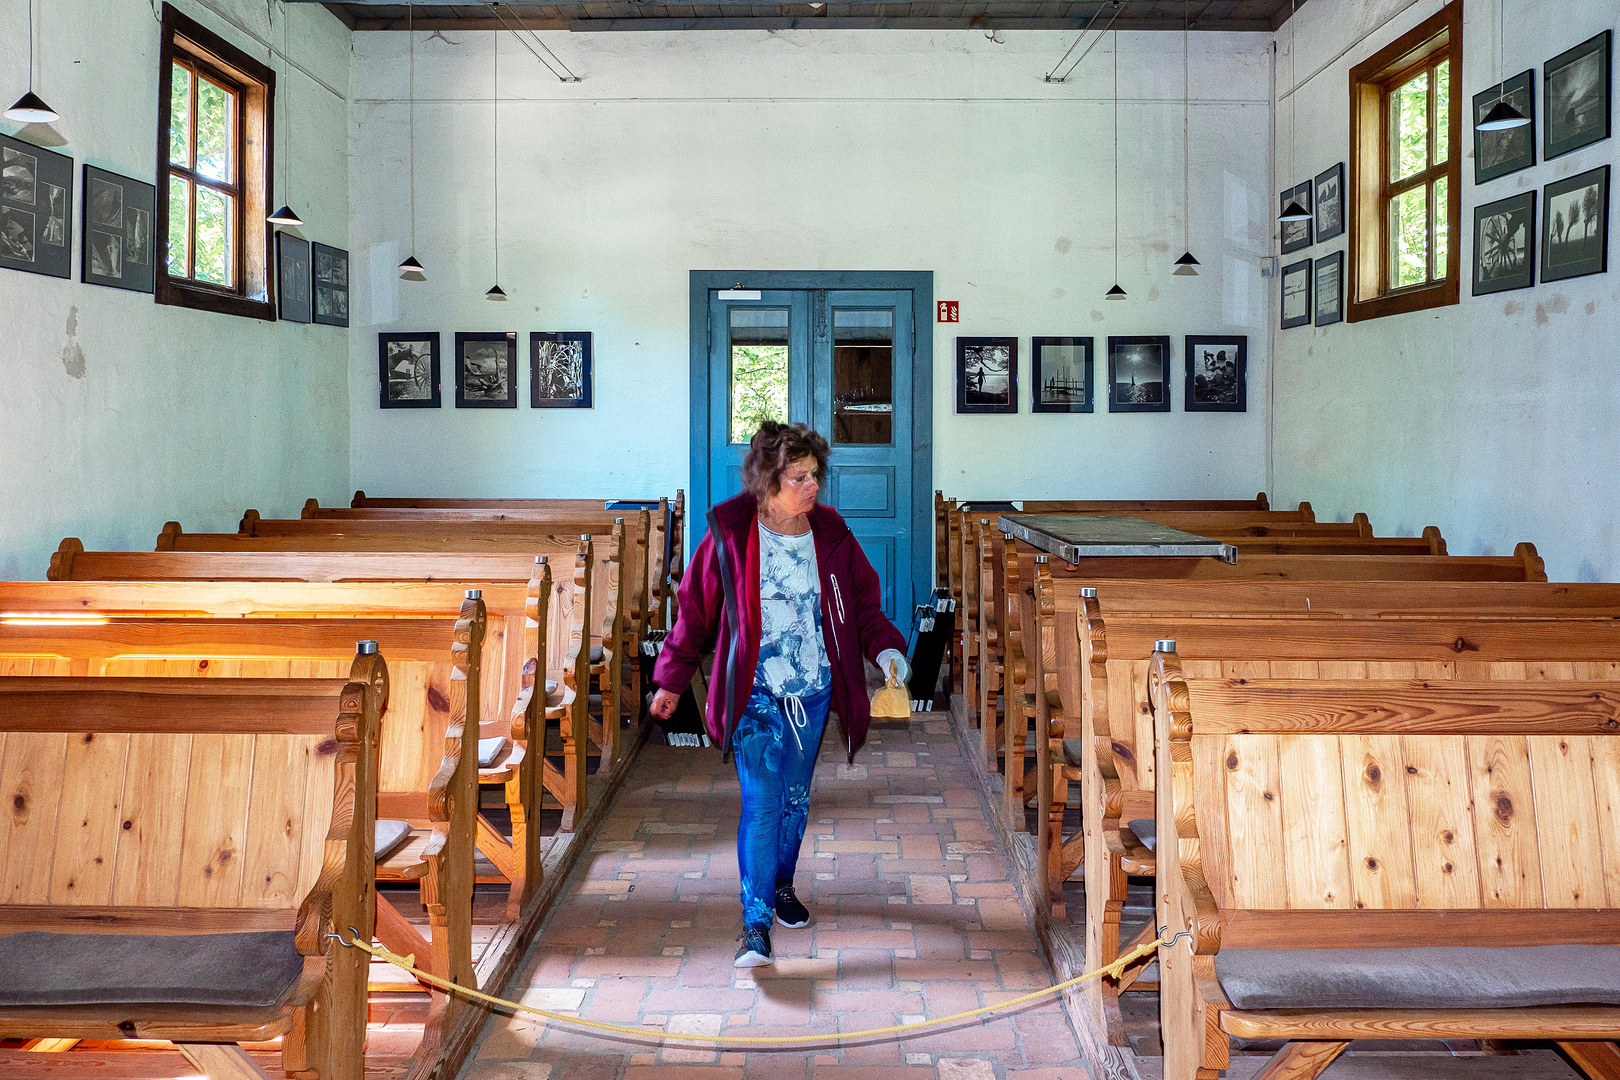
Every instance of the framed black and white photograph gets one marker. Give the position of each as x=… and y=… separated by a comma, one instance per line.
x=1575, y=88
x=486, y=371
x=1498, y=153
x=1060, y=375
x=36, y=204
x=1217, y=374
x=293, y=292
x=331, y=285
x=560, y=373
x=1328, y=271
x=986, y=375
x=1505, y=244
x=1329, y=192
x=1296, y=294
x=1139, y=374
x=1296, y=235
x=116, y=234
x=408, y=370
x=1575, y=226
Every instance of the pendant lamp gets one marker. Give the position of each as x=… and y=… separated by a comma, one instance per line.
x=1116, y=293
x=1186, y=266
x=410, y=269
x=1293, y=211
x=496, y=292
x=31, y=108
x=1502, y=116
x=284, y=215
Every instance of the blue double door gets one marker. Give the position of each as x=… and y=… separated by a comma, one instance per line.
x=843, y=362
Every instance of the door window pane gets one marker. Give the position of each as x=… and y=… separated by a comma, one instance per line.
x=213, y=130
x=212, y=263
x=863, y=376
x=180, y=116
x=1409, y=127
x=759, y=369
x=1409, y=225
x=179, y=225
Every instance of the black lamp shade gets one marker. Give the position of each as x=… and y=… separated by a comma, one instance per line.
x=1187, y=260
x=285, y=216
x=495, y=293
x=1503, y=117
x=1294, y=212
x=411, y=270
x=1116, y=293
x=31, y=109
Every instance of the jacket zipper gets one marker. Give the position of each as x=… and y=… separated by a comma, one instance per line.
x=838, y=650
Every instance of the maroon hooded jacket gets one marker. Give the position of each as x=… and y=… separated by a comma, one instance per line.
x=853, y=625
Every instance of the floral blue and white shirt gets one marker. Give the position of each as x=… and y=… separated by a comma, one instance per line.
x=792, y=658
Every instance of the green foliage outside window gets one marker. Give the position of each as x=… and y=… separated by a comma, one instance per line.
x=759, y=388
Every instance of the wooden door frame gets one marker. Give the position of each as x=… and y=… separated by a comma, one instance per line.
x=920, y=283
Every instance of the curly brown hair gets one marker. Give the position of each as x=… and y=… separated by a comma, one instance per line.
x=772, y=449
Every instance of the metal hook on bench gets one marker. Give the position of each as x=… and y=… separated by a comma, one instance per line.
x=347, y=944
x=1171, y=943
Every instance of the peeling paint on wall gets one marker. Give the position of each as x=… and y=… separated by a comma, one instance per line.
x=72, y=354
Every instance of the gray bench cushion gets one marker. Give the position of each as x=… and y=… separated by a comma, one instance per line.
x=596, y=654
x=1072, y=749
x=248, y=969
x=1451, y=977
x=489, y=750
x=1147, y=831
x=390, y=834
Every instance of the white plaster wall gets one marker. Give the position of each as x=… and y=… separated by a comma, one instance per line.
x=117, y=413
x=847, y=150
x=1493, y=419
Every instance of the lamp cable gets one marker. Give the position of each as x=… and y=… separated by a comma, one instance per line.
x=410, y=33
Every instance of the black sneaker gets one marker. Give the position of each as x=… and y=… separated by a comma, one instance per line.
x=789, y=912
x=755, y=950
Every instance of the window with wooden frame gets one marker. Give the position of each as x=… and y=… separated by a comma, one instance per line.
x=214, y=160
x=1405, y=162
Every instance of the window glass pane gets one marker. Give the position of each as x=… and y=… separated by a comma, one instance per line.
x=180, y=116
x=1409, y=127
x=863, y=376
x=179, y=224
x=1442, y=111
x=1441, y=221
x=1409, y=238
x=759, y=369
x=213, y=130
x=212, y=261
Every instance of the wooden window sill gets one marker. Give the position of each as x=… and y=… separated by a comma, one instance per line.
x=1441, y=294
x=180, y=294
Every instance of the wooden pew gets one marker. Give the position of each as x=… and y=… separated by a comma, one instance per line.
x=537, y=630
x=174, y=825
x=666, y=524
x=1329, y=833
x=611, y=635
x=427, y=768
x=1096, y=653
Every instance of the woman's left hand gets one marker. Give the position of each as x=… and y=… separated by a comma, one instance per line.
x=898, y=659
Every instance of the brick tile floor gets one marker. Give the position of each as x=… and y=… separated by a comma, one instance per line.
x=915, y=915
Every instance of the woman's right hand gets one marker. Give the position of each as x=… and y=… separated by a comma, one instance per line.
x=663, y=704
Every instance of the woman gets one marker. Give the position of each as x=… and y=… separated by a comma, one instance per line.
x=782, y=591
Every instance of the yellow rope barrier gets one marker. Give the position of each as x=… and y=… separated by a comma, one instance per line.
x=408, y=963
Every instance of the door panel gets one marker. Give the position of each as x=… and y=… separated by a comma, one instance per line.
x=840, y=361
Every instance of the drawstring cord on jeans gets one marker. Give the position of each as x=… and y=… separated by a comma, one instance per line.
x=798, y=720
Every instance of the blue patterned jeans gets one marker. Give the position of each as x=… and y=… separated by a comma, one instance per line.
x=776, y=744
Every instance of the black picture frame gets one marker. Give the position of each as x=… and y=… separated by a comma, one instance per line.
x=1144, y=361
x=1296, y=235
x=294, y=285
x=1501, y=262
x=1297, y=275
x=560, y=370
x=1562, y=257
x=1217, y=374
x=1327, y=289
x=990, y=365
x=36, y=209
x=494, y=385
x=1061, y=382
x=331, y=284
x=118, y=248
x=1575, y=87
x=408, y=373
x=1328, y=190
x=1501, y=153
